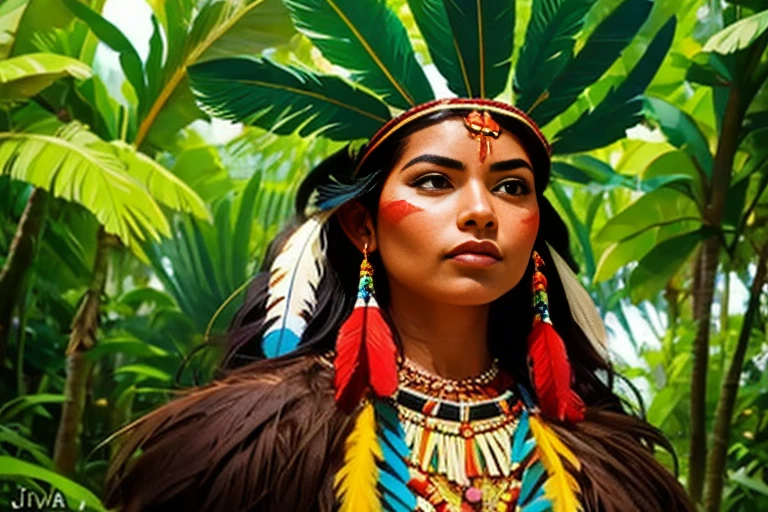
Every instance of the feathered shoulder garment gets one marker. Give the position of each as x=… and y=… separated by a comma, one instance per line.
x=266, y=437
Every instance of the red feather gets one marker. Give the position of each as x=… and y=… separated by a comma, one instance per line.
x=552, y=374
x=366, y=356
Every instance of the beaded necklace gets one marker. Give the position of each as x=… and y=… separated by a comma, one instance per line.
x=461, y=449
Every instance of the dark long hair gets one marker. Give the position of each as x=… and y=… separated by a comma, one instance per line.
x=619, y=471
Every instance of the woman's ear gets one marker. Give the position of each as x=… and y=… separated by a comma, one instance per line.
x=357, y=223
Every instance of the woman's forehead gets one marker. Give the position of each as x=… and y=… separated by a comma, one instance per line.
x=451, y=137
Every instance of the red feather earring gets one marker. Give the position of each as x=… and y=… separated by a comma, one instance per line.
x=548, y=359
x=366, y=356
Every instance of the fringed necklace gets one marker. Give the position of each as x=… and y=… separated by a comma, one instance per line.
x=461, y=450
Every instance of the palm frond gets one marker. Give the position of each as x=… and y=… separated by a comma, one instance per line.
x=76, y=165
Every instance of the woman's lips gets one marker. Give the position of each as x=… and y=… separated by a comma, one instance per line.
x=473, y=259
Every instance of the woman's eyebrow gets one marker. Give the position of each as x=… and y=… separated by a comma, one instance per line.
x=442, y=161
x=509, y=165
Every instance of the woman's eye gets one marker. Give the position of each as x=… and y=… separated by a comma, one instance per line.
x=440, y=182
x=431, y=178
x=514, y=187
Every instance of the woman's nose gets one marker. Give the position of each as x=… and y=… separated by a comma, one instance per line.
x=475, y=208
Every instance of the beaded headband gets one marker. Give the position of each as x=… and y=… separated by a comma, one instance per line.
x=419, y=111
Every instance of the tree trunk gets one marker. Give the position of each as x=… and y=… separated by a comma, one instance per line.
x=738, y=101
x=81, y=339
x=19, y=261
x=723, y=415
x=707, y=268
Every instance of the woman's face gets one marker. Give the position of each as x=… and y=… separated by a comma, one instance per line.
x=440, y=195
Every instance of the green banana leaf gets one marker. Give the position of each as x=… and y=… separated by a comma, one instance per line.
x=160, y=182
x=548, y=46
x=24, y=76
x=682, y=131
x=622, y=108
x=600, y=51
x=379, y=55
x=284, y=100
x=74, y=164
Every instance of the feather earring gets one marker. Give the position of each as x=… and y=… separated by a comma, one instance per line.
x=366, y=356
x=548, y=359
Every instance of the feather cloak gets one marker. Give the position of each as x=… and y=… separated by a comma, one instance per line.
x=255, y=440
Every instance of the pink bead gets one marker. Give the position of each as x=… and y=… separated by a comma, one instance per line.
x=473, y=495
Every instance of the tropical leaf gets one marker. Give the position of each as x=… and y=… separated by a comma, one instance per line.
x=657, y=267
x=93, y=105
x=14, y=407
x=39, y=16
x=24, y=76
x=74, y=164
x=622, y=108
x=219, y=29
x=471, y=43
x=379, y=55
x=661, y=207
x=600, y=51
x=548, y=46
x=682, y=132
x=112, y=37
x=160, y=182
x=10, y=15
x=710, y=69
x=739, y=35
x=284, y=100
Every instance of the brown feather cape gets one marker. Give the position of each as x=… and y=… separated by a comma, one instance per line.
x=255, y=440
x=269, y=437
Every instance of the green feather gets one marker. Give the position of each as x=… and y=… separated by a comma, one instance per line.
x=548, y=46
x=600, y=51
x=432, y=20
x=483, y=32
x=284, y=99
x=368, y=39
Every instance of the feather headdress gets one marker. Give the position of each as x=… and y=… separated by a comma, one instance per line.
x=294, y=276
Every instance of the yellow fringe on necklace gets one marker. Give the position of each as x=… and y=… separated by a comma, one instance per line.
x=561, y=487
x=355, y=482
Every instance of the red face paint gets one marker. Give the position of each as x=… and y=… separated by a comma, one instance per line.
x=395, y=211
x=531, y=220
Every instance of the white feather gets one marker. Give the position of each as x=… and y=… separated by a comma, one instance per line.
x=294, y=276
x=582, y=306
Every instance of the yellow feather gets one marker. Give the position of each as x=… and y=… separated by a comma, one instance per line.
x=356, y=480
x=561, y=487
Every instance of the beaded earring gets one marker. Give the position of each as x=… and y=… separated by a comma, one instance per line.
x=548, y=359
x=366, y=355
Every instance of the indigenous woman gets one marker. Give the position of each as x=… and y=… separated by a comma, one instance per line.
x=416, y=340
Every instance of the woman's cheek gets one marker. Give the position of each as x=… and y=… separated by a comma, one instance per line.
x=530, y=223
x=395, y=211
